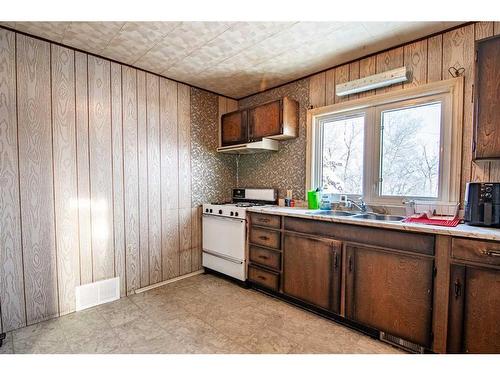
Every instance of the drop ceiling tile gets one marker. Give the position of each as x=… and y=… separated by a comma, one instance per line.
x=180, y=42
x=136, y=38
x=49, y=30
x=240, y=36
x=91, y=36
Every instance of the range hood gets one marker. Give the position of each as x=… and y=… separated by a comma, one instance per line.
x=264, y=145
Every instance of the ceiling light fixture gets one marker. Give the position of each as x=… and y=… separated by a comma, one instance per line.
x=375, y=81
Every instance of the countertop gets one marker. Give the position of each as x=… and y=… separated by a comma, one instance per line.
x=461, y=230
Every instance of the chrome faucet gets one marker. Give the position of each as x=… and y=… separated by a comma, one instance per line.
x=360, y=206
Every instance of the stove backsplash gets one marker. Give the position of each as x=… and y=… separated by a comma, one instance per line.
x=285, y=169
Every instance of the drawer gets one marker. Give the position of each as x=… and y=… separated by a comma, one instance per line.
x=263, y=220
x=476, y=251
x=265, y=237
x=265, y=257
x=263, y=277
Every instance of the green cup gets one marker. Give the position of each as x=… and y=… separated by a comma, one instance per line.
x=313, y=198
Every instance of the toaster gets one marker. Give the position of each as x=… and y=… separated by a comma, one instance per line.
x=482, y=204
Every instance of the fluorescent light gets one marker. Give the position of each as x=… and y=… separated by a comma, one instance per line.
x=375, y=81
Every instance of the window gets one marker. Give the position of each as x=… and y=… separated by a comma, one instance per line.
x=390, y=147
x=410, y=151
x=342, y=150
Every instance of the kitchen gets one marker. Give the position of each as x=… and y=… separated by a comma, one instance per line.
x=209, y=187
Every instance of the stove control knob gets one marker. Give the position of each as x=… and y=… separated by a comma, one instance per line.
x=232, y=213
x=236, y=213
x=211, y=211
x=206, y=209
x=220, y=212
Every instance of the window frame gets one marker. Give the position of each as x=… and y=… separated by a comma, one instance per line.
x=319, y=131
x=449, y=92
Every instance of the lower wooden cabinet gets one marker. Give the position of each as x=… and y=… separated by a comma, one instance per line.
x=474, y=310
x=312, y=270
x=390, y=291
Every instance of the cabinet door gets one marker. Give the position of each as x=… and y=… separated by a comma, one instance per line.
x=474, y=308
x=390, y=291
x=487, y=100
x=265, y=120
x=234, y=128
x=311, y=270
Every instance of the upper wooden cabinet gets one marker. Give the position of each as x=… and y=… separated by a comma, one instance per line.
x=487, y=100
x=278, y=120
x=234, y=128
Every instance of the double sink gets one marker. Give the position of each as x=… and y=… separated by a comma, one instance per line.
x=354, y=215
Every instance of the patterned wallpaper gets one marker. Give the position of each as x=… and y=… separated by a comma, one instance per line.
x=213, y=174
x=285, y=169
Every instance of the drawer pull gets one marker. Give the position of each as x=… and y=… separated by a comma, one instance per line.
x=264, y=238
x=263, y=257
x=350, y=263
x=262, y=277
x=263, y=220
x=490, y=253
x=335, y=261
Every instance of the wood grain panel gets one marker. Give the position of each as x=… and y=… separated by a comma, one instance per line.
x=184, y=240
x=65, y=176
x=367, y=67
x=36, y=179
x=496, y=28
x=118, y=203
x=480, y=170
x=169, y=178
x=388, y=60
x=317, y=87
x=231, y=105
x=494, y=171
x=184, y=144
x=170, y=243
x=169, y=144
x=131, y=178
x=142, y=139
x=330, y=87
x=341, y=76
x=458, y=52
x=415, y=59
x=435, y=58
x=101, y=170
x=154, y=177
x=12, y=307
x=483, y=30
x=83, y=167
x=196, y=238
x=353, y=74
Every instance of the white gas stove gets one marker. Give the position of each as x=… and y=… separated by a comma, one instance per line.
x=224, y=231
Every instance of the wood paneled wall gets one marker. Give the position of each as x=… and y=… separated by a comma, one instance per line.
x=95, y=178
x=429, y=60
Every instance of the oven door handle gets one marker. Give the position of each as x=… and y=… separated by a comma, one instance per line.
x=222, y=256
x=223, y=218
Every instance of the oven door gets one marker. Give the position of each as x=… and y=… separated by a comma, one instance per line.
x=224, y=245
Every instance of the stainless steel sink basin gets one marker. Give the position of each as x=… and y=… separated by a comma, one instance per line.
x=372, y=216
x=332, y=213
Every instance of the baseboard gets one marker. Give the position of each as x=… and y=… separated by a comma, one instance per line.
x=157, y=285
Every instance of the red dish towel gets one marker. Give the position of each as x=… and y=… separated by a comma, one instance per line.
x=424, y=219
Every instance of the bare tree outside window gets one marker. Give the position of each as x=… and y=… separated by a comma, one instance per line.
x=342, y=167
x=410, y=139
